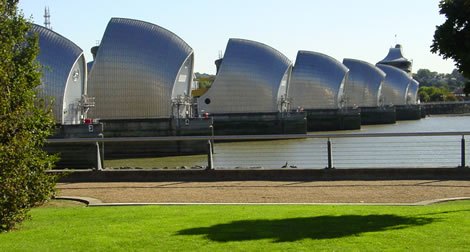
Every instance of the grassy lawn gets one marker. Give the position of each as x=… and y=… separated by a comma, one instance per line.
x=72, y=227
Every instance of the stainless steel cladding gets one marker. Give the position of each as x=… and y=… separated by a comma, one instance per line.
x=395, y=87
x=363, y=86
x=317, y=81
x=253, y=77
x=395, y=58
x=141, y=70
x=89, y=66
x=63, y=75
x=412, y=97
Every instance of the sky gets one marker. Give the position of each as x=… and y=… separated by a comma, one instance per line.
x=360, y=29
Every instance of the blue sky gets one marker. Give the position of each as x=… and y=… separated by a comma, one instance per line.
x=361, y=29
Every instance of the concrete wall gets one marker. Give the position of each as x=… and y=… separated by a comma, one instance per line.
x=269, y=175
x=84, y=155
x=333, y=119
x=76, y=155
x=408, y=112
x=259, y=124
x=378, y=115
x=446, y=108
x=155, y=128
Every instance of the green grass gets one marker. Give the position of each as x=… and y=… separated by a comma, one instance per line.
x=441, y=227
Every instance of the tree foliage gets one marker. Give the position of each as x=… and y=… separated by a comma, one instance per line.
x=466, y=90
x=452, y=39
x=205, y=84
x=25, y=121
x=434, y=94
x=454, y=81
x=205, y=80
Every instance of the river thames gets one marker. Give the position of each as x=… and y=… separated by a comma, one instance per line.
x=378, y=152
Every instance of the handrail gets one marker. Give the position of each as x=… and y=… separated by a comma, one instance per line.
x=251, y=137
x=439, y=103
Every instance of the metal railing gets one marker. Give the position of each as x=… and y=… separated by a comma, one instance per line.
x=445, y=102
x=378, y=150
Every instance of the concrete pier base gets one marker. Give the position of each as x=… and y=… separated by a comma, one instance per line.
x=333, y=119
x=408, y=112
x=259, y=123
x=84, y=155
x=378, y=115
x=161, y=127
x=76, y=155
x=424, y=113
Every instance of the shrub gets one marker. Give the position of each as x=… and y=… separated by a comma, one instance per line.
x=25, y=121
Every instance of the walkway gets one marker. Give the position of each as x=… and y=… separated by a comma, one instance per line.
x=390, y=191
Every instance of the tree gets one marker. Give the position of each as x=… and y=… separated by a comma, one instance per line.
x=205, y=84
x=434, y=94
x=453, y=82
x=425, y=74
x=452, y=39
x=423, y=95
x=466, y=89
x=25, y=121
x=450, y=97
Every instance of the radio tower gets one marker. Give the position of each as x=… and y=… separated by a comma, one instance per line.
x=47, y=18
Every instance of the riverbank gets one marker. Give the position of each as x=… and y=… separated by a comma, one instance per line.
x=449, y=108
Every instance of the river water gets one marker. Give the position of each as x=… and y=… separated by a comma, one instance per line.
x=444, y=123
x=379, y=152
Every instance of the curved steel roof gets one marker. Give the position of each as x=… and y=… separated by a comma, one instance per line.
x=395, y=87
x=63, y=74
x=252, y=78
x=317, y=81
x=395, y=58
x=138, y=69
x=412, y=97
x=363, y=86
x=89, y=66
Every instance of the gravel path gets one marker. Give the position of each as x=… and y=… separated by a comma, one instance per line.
x=397, y=191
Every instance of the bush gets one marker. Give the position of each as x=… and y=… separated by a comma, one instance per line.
x=434, y=94
x=25, y=121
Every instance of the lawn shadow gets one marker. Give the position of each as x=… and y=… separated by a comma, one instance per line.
x=294, y=229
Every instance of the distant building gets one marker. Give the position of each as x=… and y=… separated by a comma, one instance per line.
x=252, y=77
x=141, y=70
x=363, y=86
x=64, y=75
x=94, y=51
x=395, y=87
x=317, y=81
x=395, y=58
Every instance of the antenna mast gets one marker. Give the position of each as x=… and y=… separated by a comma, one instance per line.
x=47, y=18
